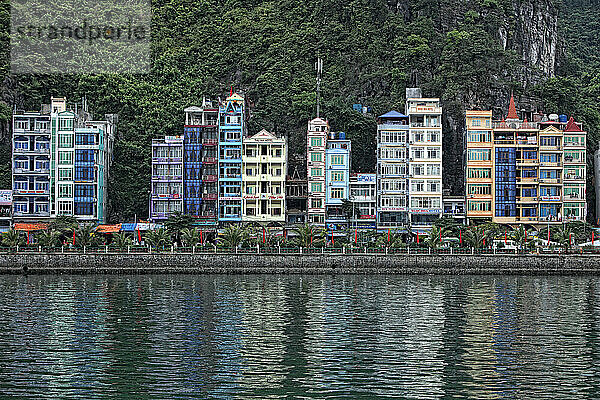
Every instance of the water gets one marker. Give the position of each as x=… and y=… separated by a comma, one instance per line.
x=271, y=337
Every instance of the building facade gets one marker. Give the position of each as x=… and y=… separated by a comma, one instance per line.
x=363, y=197
x=61, y=163
x=166, y=196
x=525, y=172
x=337, y=182
x=231, y=132
x=392, y=171
x=318, y=131
x=200, y=143
x=425, y=159
x=264, y=168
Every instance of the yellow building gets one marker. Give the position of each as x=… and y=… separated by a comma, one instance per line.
x=525, y=172
x=264, y=168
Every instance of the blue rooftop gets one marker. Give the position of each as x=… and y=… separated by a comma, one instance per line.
x=393, y=114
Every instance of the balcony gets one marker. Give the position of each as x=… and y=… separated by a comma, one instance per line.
x=572, y=177
x=166, y=177
x=29, y=171
x=209, y=178
x=573, y=196
x=167, y=160
x=524, y=199
x=210, y=142
x=555, y=181
x=27, y=192
x=524, y=143
x=526, y=179
x=550, y=198
x=515, y=125
x=527, y=162
x=209, y=160
x=31, y=214
x=209, y=196
x=547, y=164
x=160, y=196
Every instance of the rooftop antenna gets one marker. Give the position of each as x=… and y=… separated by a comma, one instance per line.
x=319, y=69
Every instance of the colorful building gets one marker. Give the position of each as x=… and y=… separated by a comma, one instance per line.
x=525, y=172
x=61, y=162
x=425, y=159
x=232, y=127
x=264, y=169
x=318, y=131
x=392, y=171
x=337, y=180
x=166, y=196
x=200, y=144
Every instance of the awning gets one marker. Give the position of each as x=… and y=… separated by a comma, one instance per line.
x=30, y=227
x=108, y=228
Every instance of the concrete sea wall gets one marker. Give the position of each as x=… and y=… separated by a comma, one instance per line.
x=36, y=263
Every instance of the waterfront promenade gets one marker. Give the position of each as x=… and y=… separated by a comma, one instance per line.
x=459, y=261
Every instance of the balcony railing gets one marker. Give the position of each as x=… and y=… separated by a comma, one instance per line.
x=210, y=142
x=209, y=196
x=209, y=178
x=209, y=160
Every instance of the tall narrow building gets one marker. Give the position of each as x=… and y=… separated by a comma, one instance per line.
x=318, y=130
x=200, y=163
x=425, y=158
x=479, y=166
x=337, y=179
x=166, y=196
x=264, y=168
x=392, y=171
x=231, y=131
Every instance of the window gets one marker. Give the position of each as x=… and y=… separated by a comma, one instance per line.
x=479, y=137
x=316, y=172
x=433, y=136
x=22, y=125
x=233, y=120
x=479, y=205
x=65, y=208
x=317, y=203
x=479, y=189
x=337, y=159
x=21, y=164
x=65, y=124
x=42, y=185
x=316, y=187
x=418, y=170
x=549, y=141
x=85, y=139
x=278, y=152
x=393, y=136
x=433, y=169
x=337, y=176
x=84, y=174
x=65, y=190
x=433, y=153
x=476, y=122
x=41, y=165
x=316, y=142
x=250, y=189
x=41, y=125
x=479, y=155
x=84, y=191
x=315, y=156
x=418, y=136
x=418, y=152
x=337, y=193
x=42, y=145
x=65, y=157
x=21, y=185
x=41, y=207
x=250, y=172
x=425, y=202
x=21, y=145
x=84, y=155
x=21, y=207
x=433, y=186
x=85, y=208
x=417, y=186
x=65, y=140
x=479, y=173
x=65, y=174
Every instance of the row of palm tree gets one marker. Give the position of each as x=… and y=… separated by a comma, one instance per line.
x=179, y=230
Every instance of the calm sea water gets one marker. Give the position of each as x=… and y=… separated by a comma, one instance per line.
x=272, y=337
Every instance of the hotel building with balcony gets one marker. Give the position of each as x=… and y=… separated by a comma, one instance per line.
x=519, y=171
x=166, y=197
x=264, y=171
x=337, y=180
x=231, y=129
x=61, y=161
x=318, y=131
x=409, y=165
x=363, y=197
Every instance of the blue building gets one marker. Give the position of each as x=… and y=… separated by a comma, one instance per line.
x=231, y=131
x=337, y=178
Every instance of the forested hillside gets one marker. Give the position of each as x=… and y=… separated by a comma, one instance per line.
x=469, y=53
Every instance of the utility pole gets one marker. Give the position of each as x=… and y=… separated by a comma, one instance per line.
x=319, y=69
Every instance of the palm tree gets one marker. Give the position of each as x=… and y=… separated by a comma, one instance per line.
x=434, y=240
x=309, y=236
x=48, y=238
x=121, y=240
x=477, y=237
x=190, y=237
x=519, y=236
x=64, y=225
x=12, y=238
x=564, y=237
x=158, y=238
x=233, y=236
x=177, y=223
x=86, y=236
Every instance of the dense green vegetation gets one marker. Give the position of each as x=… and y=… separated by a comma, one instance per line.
x=372, y=51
